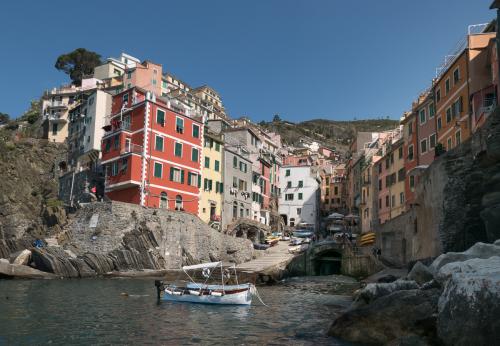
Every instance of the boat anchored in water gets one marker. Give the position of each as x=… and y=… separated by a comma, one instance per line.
x=205, y=292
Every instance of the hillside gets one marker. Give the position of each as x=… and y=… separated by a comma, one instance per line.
x=335, y=134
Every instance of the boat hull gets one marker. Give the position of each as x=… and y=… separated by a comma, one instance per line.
x=239, y=298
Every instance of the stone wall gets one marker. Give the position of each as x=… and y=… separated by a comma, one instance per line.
x=457, y=202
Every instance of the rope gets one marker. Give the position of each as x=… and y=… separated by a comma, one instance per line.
x=254, y=291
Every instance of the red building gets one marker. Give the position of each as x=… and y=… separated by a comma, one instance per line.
x=152, y=152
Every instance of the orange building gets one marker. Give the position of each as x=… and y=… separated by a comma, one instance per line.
x=456, y=81
x=152, y=152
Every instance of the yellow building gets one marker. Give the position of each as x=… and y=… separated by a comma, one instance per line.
x=212, y=191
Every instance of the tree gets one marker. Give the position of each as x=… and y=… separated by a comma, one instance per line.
x=4, y=118
x=78, y=63
x=33, y=113
x=276, y=118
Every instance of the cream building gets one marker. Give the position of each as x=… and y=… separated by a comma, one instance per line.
x=212, y=187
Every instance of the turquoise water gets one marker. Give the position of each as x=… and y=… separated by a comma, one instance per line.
x=94, y=311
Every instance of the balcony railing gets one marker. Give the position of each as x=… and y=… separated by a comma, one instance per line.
x=132, y=149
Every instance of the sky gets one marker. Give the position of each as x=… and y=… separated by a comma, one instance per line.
x=309, y=59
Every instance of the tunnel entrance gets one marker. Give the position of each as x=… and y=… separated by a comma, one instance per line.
x=327, y=263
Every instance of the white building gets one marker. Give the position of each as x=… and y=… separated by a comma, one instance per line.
x=299, y=201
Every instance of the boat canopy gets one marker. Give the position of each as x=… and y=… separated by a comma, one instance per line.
x=203, y=265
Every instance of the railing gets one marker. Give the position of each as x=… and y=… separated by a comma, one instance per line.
x=57, y=104
x=132, y=148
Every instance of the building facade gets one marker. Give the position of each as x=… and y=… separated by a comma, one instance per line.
x=152, y=153
x=299, y=201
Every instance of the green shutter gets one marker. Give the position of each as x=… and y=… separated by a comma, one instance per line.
x=194, y=155
x=216, y=165
x=196, y=131
x=160, y=117
x=182, y=176
x=157, y=170
x=207, y=162
x=221, y=187
x=210, y=184
x=171, y=173
x=199, y=181
x=235, y=162
x=217, y=146
x=178, y=149
x=205, y=183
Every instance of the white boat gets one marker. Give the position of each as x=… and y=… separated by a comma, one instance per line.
x=204, y=293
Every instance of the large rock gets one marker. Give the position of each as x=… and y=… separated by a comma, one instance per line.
x=469, y=308
x=23, y=258
x=54, y=260
x=390, y=318
x=420, y=273
x=376, y=290
x=21, y=271
x=478, y=250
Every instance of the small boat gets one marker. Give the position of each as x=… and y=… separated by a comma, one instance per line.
x=272, y=240
x=202, y=292
x=261, y=246
x=298, y=248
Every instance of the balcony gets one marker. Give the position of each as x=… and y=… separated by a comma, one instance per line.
x=56, y=117
x=131, y=149
x=57, y=104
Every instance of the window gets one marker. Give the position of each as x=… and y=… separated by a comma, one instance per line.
x=448, y=115
x=176, y=175
x=158, y=143
x=432, y=141
x=288, y=184
x=235, y=182
x=449, y=144
x=327, y=191
x=179, y=125
x=160, y=117
x=432, y=111
x=124, y=164
x=410, y=152
x=423, y=146
x=287, y=173
x=196, y=131
x=125, y=99
x=129, y=74
x=289, y=197
x=387, y=201
x=456, y=76
x=438, y=95
x=393, y=200
x=235, y=210
x=243, y=166
x=178, y=202
x=107, y=144
x=158, y=169
x=401, y=197
x=380, y=203
x=117, y=142
x=400, y=153
x=235, y=162
x=423, y=118
x=114, y=168
x=299, y=210
x=300, y=195
x=163, y=200
x=401, y=174
x=207, y=184
x=410, y=128
x=207, y=162
x=380, y=184
x=217, y=146
x=194, y=154
x=335, y=190
x=163, y=84
x=301, y=183
x=193, y=179
x=447, y=86
x=457, y=137
x=242, y=185
x=217, y=166
x=178, y=149
x=439, y=123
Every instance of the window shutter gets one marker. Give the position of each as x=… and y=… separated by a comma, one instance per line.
x=210, y=184
x=171, y=173
x=199, y=181
x=221, y=187
x=460, y=104
x=182, y=176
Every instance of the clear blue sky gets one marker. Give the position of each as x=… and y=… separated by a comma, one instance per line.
x=302, y=59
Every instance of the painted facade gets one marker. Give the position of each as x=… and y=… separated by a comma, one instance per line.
x=152, y=153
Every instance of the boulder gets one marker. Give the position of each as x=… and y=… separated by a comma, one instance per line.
x=23, y=258
x=420, y=273
x=469, y=307
x=478, y=250
x=374, y=291
x=21, y=271
x=54, y=260
x=390, y=318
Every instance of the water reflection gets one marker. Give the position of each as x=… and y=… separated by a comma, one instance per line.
x=95, y=312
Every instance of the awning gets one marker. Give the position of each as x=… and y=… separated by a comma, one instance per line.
x=335, y=216
x=202, y=265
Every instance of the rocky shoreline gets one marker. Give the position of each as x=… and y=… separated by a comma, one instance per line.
x=453, y=301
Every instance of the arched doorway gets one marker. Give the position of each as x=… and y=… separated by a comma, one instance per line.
x=178, y=202
x=163, y=200
x=328, y=262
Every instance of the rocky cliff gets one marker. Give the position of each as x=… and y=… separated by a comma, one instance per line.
x=107, y=237
x=28, y=184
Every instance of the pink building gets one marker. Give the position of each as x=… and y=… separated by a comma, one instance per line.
x=426, y=128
